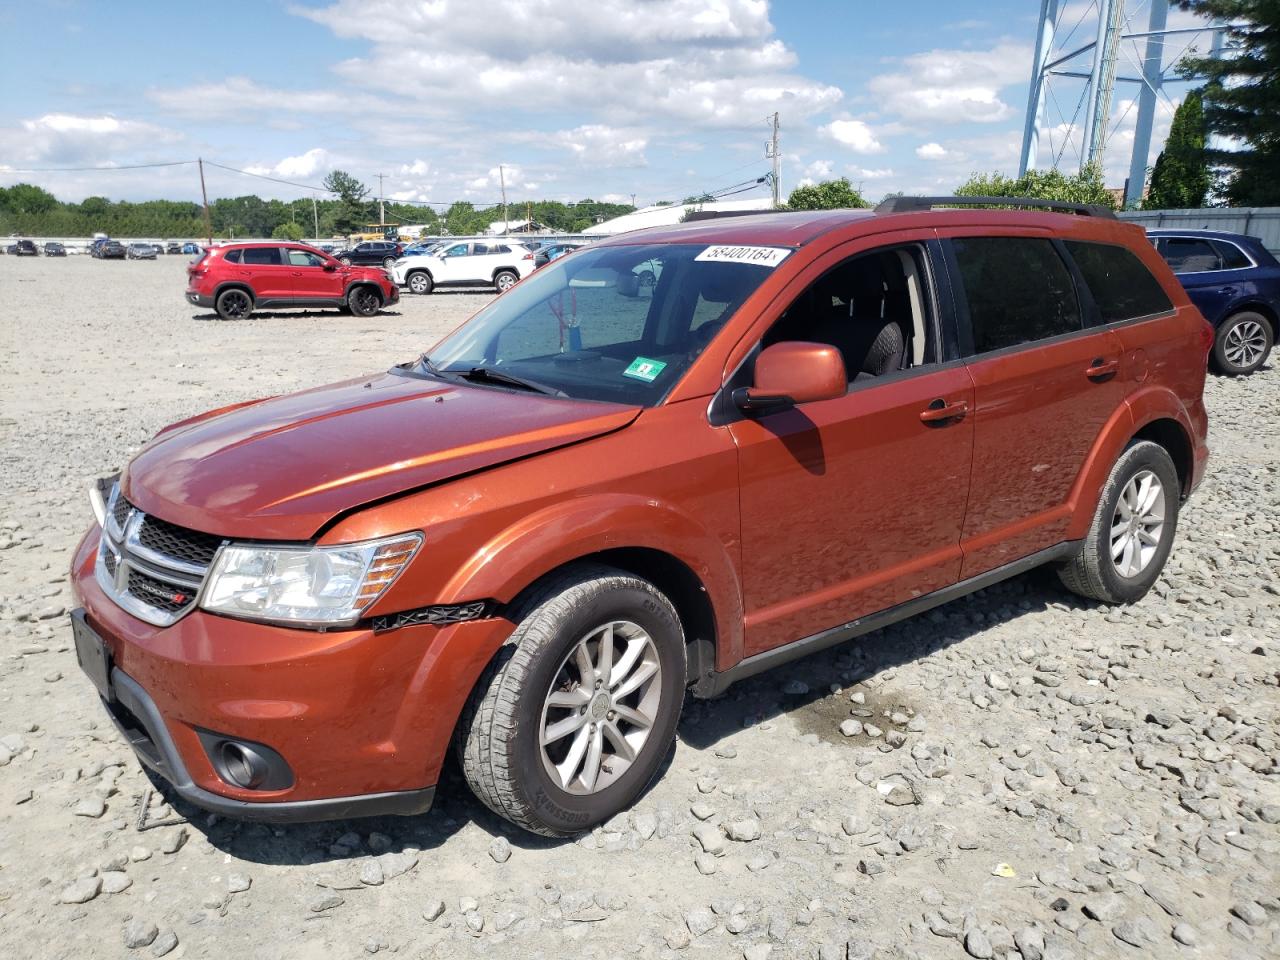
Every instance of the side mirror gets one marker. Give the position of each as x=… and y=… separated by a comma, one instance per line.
x=793, y=372
x=330, y=267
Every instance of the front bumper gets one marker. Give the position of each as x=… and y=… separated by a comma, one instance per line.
x=363, y=718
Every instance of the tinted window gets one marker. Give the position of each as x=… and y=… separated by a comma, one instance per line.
x=1018, y=290
x=267, y=256
x=1190, y=254
x=1233, y=257
x=233, y=256
x=1121, y=286
x=457, y=250
x=480, y=249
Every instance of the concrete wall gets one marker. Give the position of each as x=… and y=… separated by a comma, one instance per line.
x=1260, y=222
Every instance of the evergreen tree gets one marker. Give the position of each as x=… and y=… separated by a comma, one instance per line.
x=1242, y=97
x=1180, y=179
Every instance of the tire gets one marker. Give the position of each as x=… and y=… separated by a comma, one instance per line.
x=364, y=301
x=234, y=304
x=499, y=738
x=1095, y=571
x=345, y=261
x=504, y=280
x=1242, y=344
x=420, y=282
x=388, y=263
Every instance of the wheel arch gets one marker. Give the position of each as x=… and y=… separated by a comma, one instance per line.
x=638, y=535
x=226, y=285
x=1267, y=311
x=357, y=284
x=1154, y=413
x=505, y=269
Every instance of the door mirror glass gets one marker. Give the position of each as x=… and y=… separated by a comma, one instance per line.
x=793, y=372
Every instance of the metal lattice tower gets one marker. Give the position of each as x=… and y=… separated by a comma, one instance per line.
x=1100, y=80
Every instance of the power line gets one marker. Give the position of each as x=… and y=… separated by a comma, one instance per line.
x=133, y=166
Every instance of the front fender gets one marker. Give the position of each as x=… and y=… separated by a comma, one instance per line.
x=563, y=532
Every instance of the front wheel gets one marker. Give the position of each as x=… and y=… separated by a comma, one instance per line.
x=364, y=301
x=388, y=263
x=420, y=282
x=504, y=280
x=1132, y=530
x=577, y=711
x=234, y=304
x=345, y=261
x=1242, y=344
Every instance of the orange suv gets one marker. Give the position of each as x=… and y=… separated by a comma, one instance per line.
x=670, y=460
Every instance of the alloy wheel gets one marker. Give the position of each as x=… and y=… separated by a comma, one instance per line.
x=1245, y=343
x=236, y=304
x=1137, y=524
x=600, y=708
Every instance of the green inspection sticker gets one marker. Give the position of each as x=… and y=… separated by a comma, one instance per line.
x=642, y=368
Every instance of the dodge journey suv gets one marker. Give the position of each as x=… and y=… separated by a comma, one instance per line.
x=672, y=460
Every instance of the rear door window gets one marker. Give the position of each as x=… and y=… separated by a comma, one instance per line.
x=263, y=256
x=1017, y=290
x=1233, y=257
x=1122, y=287
x=1190, y=254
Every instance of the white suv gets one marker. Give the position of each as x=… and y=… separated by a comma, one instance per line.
x=467, y=263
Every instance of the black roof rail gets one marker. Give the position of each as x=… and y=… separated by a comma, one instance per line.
x=695, y=215
x=916, y=204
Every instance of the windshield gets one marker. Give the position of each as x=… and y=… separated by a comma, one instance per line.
x=620, y=324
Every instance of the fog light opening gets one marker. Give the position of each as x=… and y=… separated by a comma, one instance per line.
x=243, y=765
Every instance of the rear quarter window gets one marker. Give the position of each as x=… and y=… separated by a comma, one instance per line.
x=232, y=256
x=1017, y=290
x=1122, y=286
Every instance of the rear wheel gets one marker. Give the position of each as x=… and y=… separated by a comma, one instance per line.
x=1132, y=530
x=1242, y=344
x=234, y=304
x=364, y=301
x=345, y=261
x=578, y=710
x=504, y=280
x=388, y=263
x=420, y=282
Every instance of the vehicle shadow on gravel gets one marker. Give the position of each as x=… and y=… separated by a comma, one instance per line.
x=294, y=315
x=801, y=690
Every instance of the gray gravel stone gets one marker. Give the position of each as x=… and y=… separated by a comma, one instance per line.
x=139, y=933
x=500, y=850
x=164, y=944
x=82, y=890
x=700, y=920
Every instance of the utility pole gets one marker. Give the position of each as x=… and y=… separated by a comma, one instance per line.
x=382, y=211
x=208, y=227
x=315, y=214
x=633, y=201
x=502, y=179
x=772, y=153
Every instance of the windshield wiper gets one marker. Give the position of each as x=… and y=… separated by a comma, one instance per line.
x=489, y=375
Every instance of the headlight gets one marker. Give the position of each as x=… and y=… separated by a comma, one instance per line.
x=318, y=586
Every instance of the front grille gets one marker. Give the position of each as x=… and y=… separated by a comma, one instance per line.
x=150, y=567
x=174, y=541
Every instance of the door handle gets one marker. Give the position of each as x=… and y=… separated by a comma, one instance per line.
x=296, y=273
x=1227, y=291
x=940, y=411
x=1102, y=369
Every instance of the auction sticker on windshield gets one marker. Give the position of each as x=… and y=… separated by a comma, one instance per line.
x=760, y=256
x=642, y=368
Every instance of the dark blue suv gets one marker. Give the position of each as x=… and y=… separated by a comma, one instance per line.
x=1235, y=281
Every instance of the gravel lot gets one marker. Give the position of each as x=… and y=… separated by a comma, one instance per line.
x=1016, y=774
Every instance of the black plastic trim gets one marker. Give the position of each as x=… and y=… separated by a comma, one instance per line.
x=714, y=683
x=157, y=752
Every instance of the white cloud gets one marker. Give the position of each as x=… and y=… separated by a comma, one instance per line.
x=66, y=139
x=691, y=61
x=879, y=173
x=932, y=151
x=954, y=86
x=604, y=146
x=855, y=135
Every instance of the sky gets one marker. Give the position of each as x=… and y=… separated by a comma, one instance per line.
x=573, y=99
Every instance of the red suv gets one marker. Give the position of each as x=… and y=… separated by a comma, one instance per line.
x=238, y=278
x=605, y=489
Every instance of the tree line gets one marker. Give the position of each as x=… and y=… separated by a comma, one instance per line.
x=28, y=210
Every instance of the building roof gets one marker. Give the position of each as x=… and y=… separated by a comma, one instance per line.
x=661, y=216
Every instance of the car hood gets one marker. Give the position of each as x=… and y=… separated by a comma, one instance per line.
x=281, y=468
